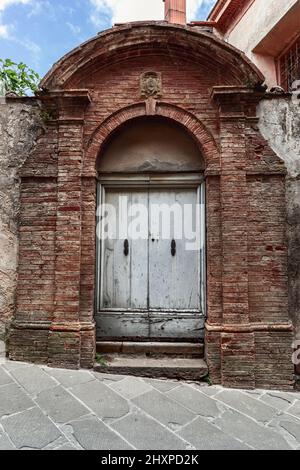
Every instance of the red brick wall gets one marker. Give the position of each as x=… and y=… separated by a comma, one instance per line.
x=246, y=249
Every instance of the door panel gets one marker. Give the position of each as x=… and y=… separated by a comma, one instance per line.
x=173, y=278
x=174, y=326
x=125, y=278
x=154, y=326
x=116, y=325
x=152, y=293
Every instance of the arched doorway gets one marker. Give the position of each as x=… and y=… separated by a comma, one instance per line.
x=213, y=94
x=150, y=234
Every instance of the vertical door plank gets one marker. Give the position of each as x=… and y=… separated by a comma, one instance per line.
x=116, y=266
x=125, y=282
x=173, y=280
x=138, y=221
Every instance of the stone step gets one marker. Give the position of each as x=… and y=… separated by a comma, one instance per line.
x=142, y=366
x=151, y=348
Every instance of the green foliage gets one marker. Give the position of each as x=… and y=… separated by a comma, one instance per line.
x=18, y=78
x=208, y=380
x=101, y=360
x=46, y=116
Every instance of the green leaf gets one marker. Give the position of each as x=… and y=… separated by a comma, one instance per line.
x=18, y=78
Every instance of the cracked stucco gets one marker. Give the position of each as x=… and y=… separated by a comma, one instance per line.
x=280, y=125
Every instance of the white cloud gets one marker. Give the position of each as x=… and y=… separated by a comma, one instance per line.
x=4, y=31
x=30, y=46
x=4, y=28
x=6, y=3
x=73, y=28
x=8, y=31
x=122, y=11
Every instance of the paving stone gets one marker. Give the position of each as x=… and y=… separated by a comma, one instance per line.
x=146, y=434
x=101, y=399
x=57, y=443
x=5, y=443
x=66, y=447
x=13, y=400
x=33, y=379
x=13, y=365
x=251, y=392
x=60, y=405
x=162, y=385
x=248, y=405
x=174, y=404
x=205, y=436
x=70, y=378
x=278, y=401
x=293, y=396
x=254, y=393
x=295, y=409
x=4, y=377
x=92, y=434
x=195, y=400
x=67, y=430
x=287, y=424
x=251, y=433
x=291, y=427
x=108, y=377
x=209, y=391
x=131, y=387
x=296, y=395
x=30, y=429
x=164, y=409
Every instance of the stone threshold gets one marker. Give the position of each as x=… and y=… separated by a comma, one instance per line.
x=142, y=366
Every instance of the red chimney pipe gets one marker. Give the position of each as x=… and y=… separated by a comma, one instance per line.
x=175, y=11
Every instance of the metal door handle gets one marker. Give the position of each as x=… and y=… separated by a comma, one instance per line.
x=126, y=247
x=173, y=248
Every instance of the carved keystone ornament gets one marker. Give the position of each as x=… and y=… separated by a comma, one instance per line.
x=151, y=85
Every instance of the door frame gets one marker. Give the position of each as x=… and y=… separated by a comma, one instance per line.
x=151, y=181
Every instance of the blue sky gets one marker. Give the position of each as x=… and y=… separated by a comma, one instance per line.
x=39, y=32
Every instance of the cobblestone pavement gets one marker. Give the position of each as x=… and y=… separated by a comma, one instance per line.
x=44, y=408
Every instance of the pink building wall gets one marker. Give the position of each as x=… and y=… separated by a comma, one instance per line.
x=262, y=29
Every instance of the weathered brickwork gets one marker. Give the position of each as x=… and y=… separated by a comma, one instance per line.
x=212, y=91
x=20, y=127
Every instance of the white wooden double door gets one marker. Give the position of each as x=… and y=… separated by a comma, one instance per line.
x=150, y=258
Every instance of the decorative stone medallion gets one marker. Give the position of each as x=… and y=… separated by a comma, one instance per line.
x=151, y=85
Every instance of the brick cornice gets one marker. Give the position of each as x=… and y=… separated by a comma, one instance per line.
x=70, y=105
x=81, y=95
x=237, y=94
x=237, y=103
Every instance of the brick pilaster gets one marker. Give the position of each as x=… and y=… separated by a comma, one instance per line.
x=237, y=348
x=66, y=330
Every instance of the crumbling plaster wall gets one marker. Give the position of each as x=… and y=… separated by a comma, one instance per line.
x=280, y=125
x=20, y=126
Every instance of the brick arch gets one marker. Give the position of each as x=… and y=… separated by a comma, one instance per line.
x=187, y=120
x=128, y=40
